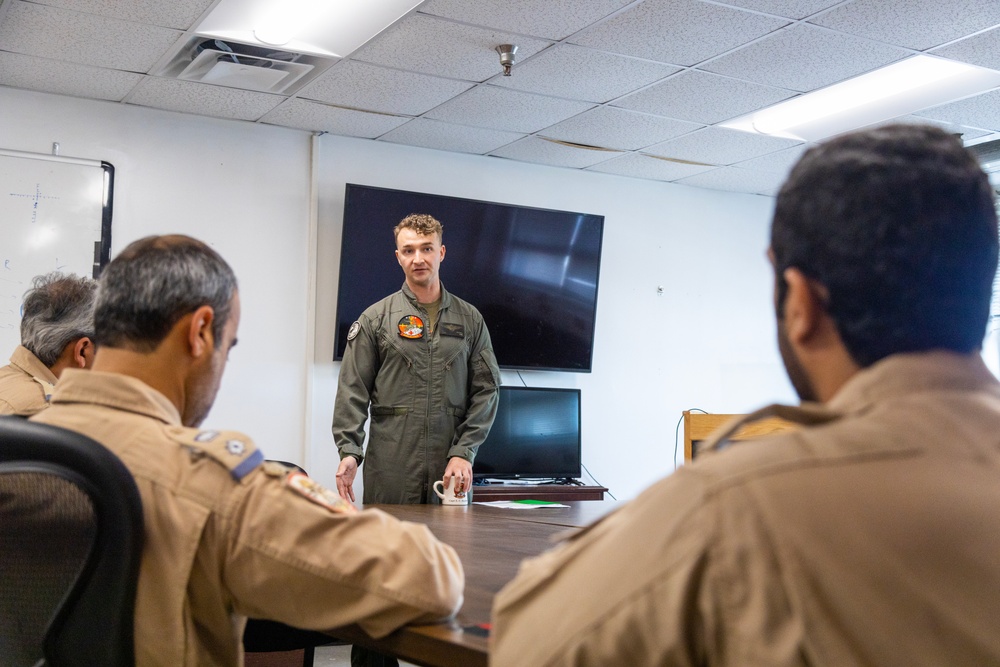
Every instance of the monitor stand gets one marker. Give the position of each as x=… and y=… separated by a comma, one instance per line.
x=497, y=490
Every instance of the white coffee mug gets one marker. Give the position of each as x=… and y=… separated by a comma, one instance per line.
x=449, y=497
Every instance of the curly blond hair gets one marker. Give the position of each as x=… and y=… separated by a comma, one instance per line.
x=421, y=223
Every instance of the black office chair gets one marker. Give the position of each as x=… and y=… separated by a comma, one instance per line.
x=71, y=535
x=274, y=644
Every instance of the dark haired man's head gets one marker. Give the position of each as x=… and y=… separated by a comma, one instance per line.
x=58, y=310
x=168, y=311
x=154, y=282
x=896, y=227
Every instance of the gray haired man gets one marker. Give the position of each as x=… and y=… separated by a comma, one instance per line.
x=57, y=330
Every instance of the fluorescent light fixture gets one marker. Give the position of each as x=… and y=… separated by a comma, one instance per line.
x=319, y=27
x=892, y=91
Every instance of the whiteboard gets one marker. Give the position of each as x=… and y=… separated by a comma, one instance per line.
x=55, y=215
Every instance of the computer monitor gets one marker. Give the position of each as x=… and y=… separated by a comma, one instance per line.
x=536, y=435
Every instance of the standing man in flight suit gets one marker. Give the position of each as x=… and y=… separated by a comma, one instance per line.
x=422, y=360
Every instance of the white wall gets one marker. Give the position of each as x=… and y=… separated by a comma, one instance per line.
x=242, y=188
x=707, y=342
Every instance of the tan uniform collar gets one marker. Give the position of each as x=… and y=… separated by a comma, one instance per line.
x=117, y=391
x=896, y=375
x=904, y=374
x=23, y=359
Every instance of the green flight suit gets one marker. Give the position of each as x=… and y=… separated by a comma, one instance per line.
x=431, y=397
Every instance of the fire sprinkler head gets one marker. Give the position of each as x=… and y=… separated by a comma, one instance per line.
x=506, y=52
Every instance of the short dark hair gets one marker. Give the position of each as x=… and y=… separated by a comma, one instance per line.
x=898, y=223
x=153, y=283
x=57, y=310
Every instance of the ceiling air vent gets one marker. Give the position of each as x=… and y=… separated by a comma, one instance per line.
x=243, y=66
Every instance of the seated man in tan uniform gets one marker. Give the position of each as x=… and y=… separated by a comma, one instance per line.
x=227, y=535
x=57, y=328
x=869, y=535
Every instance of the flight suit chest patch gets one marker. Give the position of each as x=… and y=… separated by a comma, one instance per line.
x=411, y=326
x=452, y=329
x=235, y=451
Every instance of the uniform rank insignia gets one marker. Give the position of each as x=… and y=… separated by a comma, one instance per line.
x=305, y=486
x=452, y=329
x=352, y=333
x=411, y=326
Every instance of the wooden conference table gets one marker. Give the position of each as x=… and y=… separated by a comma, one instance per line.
x=491, y=542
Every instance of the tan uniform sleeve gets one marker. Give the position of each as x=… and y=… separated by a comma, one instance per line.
x=297, y=559
x=624, y=591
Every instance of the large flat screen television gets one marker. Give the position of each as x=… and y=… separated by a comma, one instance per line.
x=536, y=435
x=531, y=272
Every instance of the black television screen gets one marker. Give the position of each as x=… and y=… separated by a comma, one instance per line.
x=536, y=434
x=531, y=272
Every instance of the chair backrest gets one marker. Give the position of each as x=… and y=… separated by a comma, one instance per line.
x=699, y=426
x=71, y=535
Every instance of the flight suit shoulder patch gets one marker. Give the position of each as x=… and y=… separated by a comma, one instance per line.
x=234, y=450
x=305, y=486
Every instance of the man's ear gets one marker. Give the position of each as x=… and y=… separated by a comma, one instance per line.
x=83, y=353
x=200, y=337
x=805, y=306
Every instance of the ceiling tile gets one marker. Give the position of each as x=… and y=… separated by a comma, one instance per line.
x=608, y=127
x=448, y=137
x=549, y=19
x=442, y=48
x=636, y=165
x=793, y=9
x=780, y=162
x=180, y=14
x=967, y=133
x=49, y=32
x=703, y=98
x=804, y=58
x=202, y=99
x=915, y=24
x=583, y=74
x=718, y=145
x=363, y=86
x=318, y=117
x=734, y=179
x=682, y=32
x=503, y=109
x=981, y=111
x=53, y=76
x=982, y=50
x=540, y=151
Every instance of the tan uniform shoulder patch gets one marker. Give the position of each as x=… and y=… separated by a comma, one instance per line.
x=303, y=485
x=234, y=450
x=276, y=469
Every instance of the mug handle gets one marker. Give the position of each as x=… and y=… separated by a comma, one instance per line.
x=435, y=487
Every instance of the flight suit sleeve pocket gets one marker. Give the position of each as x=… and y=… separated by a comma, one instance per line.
x=485, y=368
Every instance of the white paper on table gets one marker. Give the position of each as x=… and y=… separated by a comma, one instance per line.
x=516, y=505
